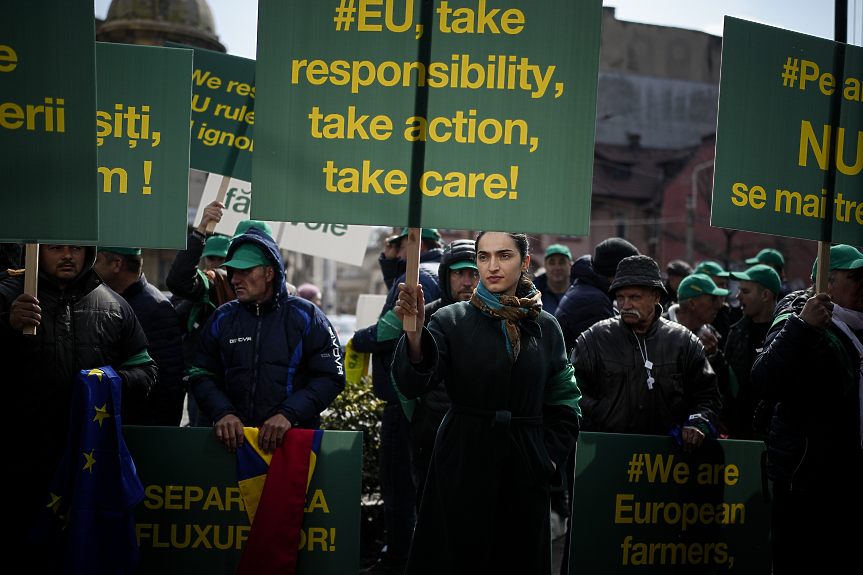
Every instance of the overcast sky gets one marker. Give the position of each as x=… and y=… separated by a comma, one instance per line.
x=236, y=20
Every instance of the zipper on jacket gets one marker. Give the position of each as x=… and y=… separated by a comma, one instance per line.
x=255, y=363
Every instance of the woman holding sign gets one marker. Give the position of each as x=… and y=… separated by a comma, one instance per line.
x=514, y=418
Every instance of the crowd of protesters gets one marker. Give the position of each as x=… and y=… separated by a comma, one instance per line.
x=484, y=400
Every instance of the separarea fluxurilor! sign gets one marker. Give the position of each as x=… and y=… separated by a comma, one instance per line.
x=142, y=140
x=643, y=505
x=193, y=519
x=783, y=98
x=47, y=122
x=466, y=114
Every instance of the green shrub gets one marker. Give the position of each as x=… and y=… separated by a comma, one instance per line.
x=357, y=409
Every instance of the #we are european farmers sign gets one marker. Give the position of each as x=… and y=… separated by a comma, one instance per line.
x=142, y=140
x=784, y=97
x=643, y=505
x=47, y=128
x=340, y=242
x=466, y=114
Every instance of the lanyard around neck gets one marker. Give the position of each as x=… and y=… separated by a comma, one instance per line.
x=648, y=365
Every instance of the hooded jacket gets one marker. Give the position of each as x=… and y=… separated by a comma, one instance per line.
x=256, y=360
x=366, y=340
x=436, y=399
x=585, y=302
x=815, y=431
x=84, y=326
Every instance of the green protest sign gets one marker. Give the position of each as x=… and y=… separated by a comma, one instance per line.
x=193, y=520
x=783, y=98
x=642, y=502
x=143, y=145
x=47, y=105
x=467, y=114
x=223, y=113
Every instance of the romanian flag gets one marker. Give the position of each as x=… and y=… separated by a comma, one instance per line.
x=87, y=525
x=274, y=490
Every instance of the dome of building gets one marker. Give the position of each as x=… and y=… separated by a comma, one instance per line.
x=154, y=22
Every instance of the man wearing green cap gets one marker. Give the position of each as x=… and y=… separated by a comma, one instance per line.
x=458, y=277
x=757, y=294
x=727, y=315
x=699, y=301
x=267, y=359
x=555, y=281
x=197, y=293
x=395, y=471
x=811, y=368
x=120, y=269
x=774, y=259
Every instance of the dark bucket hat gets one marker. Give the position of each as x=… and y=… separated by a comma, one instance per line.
x=637, y=271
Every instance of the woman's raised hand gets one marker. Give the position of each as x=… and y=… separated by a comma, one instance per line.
x=411, y=302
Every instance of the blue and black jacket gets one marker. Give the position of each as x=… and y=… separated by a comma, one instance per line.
x=256, y=360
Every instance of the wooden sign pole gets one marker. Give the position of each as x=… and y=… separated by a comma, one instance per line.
x=31, y=277
x=412, y=274
x=220, y=197
x=821, y=273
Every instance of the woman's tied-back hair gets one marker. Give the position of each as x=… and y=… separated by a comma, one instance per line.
x=522, y=244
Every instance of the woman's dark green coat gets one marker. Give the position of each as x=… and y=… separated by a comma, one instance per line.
x=485, y=508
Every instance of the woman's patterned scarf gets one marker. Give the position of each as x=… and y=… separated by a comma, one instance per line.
x=511, y=309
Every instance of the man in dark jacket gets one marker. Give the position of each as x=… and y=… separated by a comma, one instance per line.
x=197, y=293
x=267, y=359
x=643, y=374
x=394, y=470
x=458, y=277
x=81, y=324
x=120, y=269
x=811, y=369
x=588, y=300
x=555, y=282
x=757, y=294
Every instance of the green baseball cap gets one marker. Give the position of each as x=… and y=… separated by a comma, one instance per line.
x=121, y=251
x=768, y=256
x=711, y=269
x=763, y=274
x=217, y=246
x=428, y=233
x=247, y=256
x=698, y=284
x=461, y=264
x=555, y=249
x=244, y=226
x=842, y=257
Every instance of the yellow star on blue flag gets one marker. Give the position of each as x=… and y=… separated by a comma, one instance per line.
x=97, y=372
x=101, y=413
x=90, y=461
x=55, y=502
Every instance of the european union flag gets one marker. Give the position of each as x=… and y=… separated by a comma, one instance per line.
x=87, y=524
